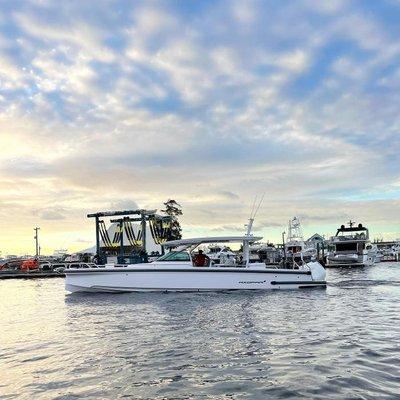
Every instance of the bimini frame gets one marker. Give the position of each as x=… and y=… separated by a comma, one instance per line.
x=195, y=242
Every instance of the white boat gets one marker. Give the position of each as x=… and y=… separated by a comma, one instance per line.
x=396, y=250
x=295, y=247
x=376, y=253
x=176, y=271
x=220, y=254
x=60, y=253
x=265, y=252
x=351, y=247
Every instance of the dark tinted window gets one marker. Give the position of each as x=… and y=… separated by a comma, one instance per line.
x=346, y=246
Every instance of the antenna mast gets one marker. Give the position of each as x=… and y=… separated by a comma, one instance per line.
x=36, y=237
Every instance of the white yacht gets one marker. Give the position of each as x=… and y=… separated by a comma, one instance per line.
x=351, y=247
x=220, y=254
x=178, y=270
x=295, y=247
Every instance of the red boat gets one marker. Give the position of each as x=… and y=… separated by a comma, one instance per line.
x=29, y=264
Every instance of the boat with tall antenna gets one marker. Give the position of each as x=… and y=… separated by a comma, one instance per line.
x=180, y=270
x=295, y=247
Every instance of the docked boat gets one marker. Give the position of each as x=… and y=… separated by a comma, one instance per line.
x=219, y=254
x=351, y=247
x=265, y=252
x=184, y=269
x=296, y=249
x=376, y=253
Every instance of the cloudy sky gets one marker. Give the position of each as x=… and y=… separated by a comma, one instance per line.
x=112, y=104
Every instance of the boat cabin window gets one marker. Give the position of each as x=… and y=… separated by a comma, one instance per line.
x=358, y=236
x=175, y=256
x=294, y=249
x=346, y=247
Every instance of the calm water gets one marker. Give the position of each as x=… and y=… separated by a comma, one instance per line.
x=342, y=342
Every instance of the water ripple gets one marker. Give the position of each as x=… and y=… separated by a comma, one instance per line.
x=342, y=342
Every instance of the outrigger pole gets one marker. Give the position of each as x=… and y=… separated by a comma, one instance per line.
x=246, y=245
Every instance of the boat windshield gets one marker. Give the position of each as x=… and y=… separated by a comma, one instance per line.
x=353, y=235
x=175, y=256
x=346, y=247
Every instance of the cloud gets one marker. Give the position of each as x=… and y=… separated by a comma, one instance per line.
x=125, y=204
x=52, y=214
x=244, y=12
x=296, y=60
x=229, y=228
x=208, y=103
x=80, y=240
x=229, y=195
x=66, y=32
x=267, y=224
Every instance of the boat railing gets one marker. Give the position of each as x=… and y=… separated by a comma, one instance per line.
x=355, y=251
x=74, y=265
x=301, y=266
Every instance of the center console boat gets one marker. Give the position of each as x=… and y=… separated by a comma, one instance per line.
x=178, y=270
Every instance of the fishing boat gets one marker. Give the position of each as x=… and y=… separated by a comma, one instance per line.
x=295, y=247
x=179, y=270
x=350, y=247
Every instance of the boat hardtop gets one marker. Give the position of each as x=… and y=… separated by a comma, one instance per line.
x=351, y=233
x=216, y=239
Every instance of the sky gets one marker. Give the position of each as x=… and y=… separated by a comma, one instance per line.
x=119, y=104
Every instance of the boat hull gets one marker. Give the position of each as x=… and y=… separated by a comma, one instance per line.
x=345, y=265
x=349, y=263
x=132, y=279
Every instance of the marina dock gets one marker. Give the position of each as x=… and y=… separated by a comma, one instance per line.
x=30, y=275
